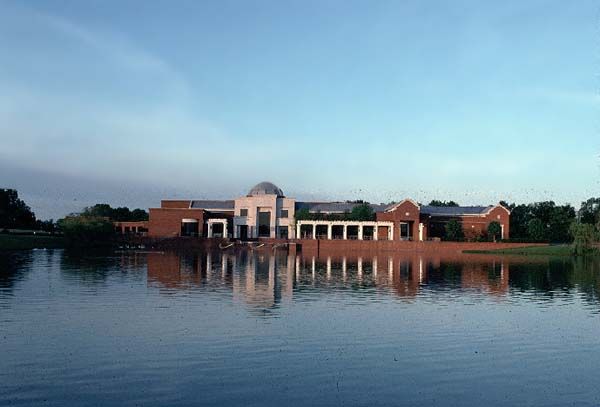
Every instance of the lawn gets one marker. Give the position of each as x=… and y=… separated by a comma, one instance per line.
x=25, y=242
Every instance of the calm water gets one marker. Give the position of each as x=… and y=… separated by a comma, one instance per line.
x=263, y=329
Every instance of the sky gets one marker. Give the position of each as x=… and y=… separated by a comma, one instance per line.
x=130, y=102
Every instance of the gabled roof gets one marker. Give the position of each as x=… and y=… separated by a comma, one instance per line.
x=213, y=205
x=334, y=207
x=392, y=207
x=455, y=210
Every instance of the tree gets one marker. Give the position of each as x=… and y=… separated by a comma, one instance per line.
x=561, y=218
x=590, y=211
x=99, y=210
x=494, y=230
x=86, y=231
x=362, y=212
x=536, y=229
x=303, y=214
x=139, y=215
x=121, y=214
x=584, y=235
x=14, y=213
x=454, y=231
x=520, y=215
x=437, y=202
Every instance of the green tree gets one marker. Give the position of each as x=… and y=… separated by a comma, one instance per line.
x=494, y=230
x=437, y=202
x=139, y=215
x=362, y=212
x=99, y=210
x=590, y=211
x=536, y=230
x=14, y=213
x=86, y=231
x=121, y=214
x=559, y=223
x=454, y=231
x=584, y=236
x=303, y=214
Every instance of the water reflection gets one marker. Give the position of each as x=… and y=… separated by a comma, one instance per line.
x=262, y=279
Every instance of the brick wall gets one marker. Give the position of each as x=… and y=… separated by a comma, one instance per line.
x=406, y=211
x=166, y=222
x=175, y=204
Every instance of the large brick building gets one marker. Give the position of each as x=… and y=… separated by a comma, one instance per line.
x=266, y=213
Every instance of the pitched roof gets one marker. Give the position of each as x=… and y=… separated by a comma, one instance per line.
x=454, y=210
x=334, y=207
x=212, y=204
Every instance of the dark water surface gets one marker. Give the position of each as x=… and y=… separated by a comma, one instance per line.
x=263, y=329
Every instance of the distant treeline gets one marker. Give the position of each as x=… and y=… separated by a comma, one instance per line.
x=547, y=221
x=16, y=214
x=121, y=214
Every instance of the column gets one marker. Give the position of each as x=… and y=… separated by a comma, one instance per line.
x=420, y=232
x=329, y=231
x=345, y=232
x=391, y=231
x=209, y=229
x=375, y=232
x=314, y=230
x=360, y=232
x=298, y=227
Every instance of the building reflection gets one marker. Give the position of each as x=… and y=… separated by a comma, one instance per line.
x=262, y=279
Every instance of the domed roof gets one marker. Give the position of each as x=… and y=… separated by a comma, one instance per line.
x=266, y=188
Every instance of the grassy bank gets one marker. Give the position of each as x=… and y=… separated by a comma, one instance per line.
x=552, y=250
x=25, y=242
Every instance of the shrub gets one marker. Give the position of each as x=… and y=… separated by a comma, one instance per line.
x=494, y=230
x=454, y=231
x=86, y=231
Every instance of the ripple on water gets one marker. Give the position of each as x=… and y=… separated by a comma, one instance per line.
x=253, y=329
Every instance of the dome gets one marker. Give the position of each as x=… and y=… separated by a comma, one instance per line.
x=266, y=188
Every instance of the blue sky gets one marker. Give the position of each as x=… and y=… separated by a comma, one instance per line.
x=131, y=102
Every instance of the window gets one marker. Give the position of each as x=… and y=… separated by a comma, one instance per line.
x=283, y=232
x=284, y=213
x=243, y=212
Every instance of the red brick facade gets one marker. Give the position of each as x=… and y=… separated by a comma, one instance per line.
x=175, y=204
x=474, y=226
x=166, y=222
x=406, y=211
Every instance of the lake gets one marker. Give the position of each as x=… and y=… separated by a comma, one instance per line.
x=257, y=328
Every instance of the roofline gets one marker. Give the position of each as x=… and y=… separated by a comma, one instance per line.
x=482, y=214
x=498, y=206
x=395, y=206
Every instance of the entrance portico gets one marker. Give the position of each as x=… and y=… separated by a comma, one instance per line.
x=351, y=230
x=217, y=231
